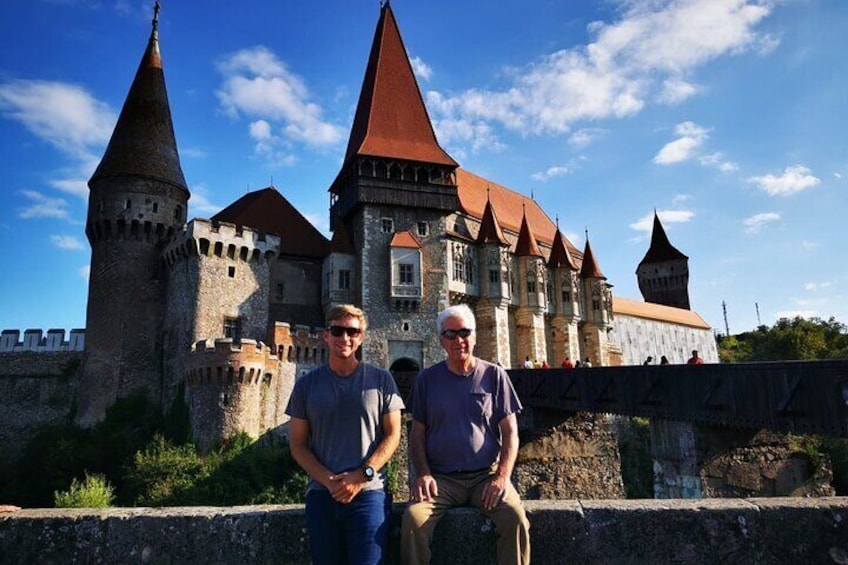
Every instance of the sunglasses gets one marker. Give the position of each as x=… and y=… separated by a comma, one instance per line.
x=453, y=334
x=339, y=331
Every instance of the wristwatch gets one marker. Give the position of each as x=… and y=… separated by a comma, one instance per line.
x=369, y=472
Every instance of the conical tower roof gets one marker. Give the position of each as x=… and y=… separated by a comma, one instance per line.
x=589, y=269
x=143, y=142
x=560, y=257
x=661, y=248
x=490, y=228
x=391, y=120
x=269, y=211
x=526, y=245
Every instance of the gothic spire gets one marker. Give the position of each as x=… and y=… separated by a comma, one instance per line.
x=661, y=248
x=143, y=142
x=526, y=245
x=560, y=257
x=490, y=228
x=589, y=269
x=391, y=120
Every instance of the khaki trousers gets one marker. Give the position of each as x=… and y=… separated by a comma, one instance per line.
x=466, y=489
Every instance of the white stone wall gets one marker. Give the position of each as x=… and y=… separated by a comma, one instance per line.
x=639, y=338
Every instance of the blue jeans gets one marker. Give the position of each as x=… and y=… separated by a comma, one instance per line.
x=353, y=533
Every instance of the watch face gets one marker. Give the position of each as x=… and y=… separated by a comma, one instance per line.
x=369, y=472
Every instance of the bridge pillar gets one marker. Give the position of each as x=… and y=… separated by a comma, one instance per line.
x=699, y=461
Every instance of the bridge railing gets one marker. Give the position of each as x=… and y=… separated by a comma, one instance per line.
x=808, y=397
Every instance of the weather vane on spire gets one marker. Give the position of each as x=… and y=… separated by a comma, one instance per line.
x=156, y=8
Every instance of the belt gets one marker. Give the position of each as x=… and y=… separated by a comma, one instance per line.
x=472, y=471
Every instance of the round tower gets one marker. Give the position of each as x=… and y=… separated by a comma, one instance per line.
x=138, y=196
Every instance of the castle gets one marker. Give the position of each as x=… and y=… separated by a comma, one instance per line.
x=228, y=312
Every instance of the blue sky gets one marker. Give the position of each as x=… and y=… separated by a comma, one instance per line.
x=726, y=116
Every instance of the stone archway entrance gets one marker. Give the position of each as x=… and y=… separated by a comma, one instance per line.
x=404, y=370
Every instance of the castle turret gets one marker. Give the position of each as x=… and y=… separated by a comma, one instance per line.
x=597, y=309
x=663, y=273
x=138, y=197
x=395, y=178
x=492, y=310
x=532, y=291
x=566, y=307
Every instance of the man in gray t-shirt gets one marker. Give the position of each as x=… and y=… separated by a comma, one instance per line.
x=463, y=445
x=344, y=428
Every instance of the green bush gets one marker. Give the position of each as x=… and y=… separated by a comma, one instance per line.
x=93, y=492
x=637, y=466
x=164, y=474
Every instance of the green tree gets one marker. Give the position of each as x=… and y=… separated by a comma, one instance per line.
x=796, y=339
x=92, y=492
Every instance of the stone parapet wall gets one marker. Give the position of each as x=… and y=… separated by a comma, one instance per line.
x=753, y=531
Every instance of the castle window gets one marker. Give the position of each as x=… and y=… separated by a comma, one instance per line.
x=232, y=328
x=406, y=275
x=387, y=225
x=281, y=291
x=566, y=296
x=344, y=279
x=531, y=286
x=231, y=272
x=549, y=291
x=494, y=276
x=155, y=207
x=178, y=213
x=129, y=204
x=423, y=228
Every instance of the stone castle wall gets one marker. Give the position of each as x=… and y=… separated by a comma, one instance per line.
x=640, y=337
x=36, y=389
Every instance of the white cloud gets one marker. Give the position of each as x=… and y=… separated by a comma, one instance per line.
x=422, y=70
x=837, y=176
x=647, y=54
x=42, y=206
x=757, y=222
x=193, y=153
x=69, y=242
x=585, y=136
x=67, y=117
x=813, y=286
x=646, y=223
x=84, y=272
x=808, y=245
x=691, y=136
x=558, y=170
x=200, y=204
x=793, y=180
x=258, y=85
x=679, y=199
x=718, y=161
x=64, y=115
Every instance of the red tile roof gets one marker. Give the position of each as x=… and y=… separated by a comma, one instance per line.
x=405, y=239
x=391, y=119
x=560, y=257
x=268, y=211
x=589, y=269
x=490, y=229
x=526, y=245
x=650, y=311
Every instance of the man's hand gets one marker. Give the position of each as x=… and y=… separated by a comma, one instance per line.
x=425, y=489
x=494, y=492
x=345, y=486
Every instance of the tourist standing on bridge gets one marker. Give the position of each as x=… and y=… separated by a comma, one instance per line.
x=345, y=426
x=695, y=360
x=463, y=445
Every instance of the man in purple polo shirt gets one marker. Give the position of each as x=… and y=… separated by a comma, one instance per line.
x=463, y=445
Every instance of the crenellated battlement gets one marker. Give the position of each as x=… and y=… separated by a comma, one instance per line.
x=110, y=230
x=220, y=239
x=228, y=362
x=36, y=341
x=301, y=344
